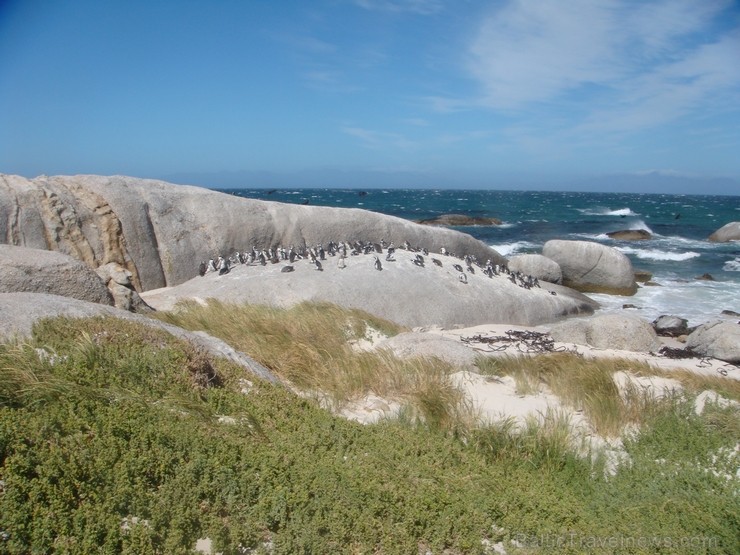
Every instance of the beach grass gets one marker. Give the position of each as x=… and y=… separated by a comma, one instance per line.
x=119, y=438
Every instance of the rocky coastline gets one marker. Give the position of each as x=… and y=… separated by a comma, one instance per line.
x=137, y=244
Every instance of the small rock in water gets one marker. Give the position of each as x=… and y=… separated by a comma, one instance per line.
x=705, y=277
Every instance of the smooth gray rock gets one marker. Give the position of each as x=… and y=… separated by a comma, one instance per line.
x=728, y=232
x=671, y=326
x=402, y=292
x=717, y=339
x=538, y=266
x=608, y=331
x=41, y=271
x=592, y=267
x=21, y=310
x=412, y=345
x=160, y=232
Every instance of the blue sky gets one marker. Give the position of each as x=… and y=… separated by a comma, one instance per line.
x=362, y=93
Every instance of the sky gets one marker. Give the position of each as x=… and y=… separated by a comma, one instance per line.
x=503, y=94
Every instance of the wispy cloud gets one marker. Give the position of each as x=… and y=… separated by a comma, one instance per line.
x=620, y=65
x=379, y=139
x=423, y=7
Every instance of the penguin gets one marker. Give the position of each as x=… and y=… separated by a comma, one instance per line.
x=378, y=265
x=202, y=269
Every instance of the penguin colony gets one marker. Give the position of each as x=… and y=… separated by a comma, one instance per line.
x=342, y=250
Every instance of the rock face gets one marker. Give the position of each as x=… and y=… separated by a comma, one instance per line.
x=671, y=326
x=591, y=267
x=728, y=232
x=459, y=220
x=118, y=281
x=608, y=331
x=538, y=266
x=718, y=340
x=40, y=271
x=21, y=310
x=159, y=232
x=411, y=295
x=631, y=235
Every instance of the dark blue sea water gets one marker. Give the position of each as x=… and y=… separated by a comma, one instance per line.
x=676, y=255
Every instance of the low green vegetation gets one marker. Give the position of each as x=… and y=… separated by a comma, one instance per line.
x=117, y=438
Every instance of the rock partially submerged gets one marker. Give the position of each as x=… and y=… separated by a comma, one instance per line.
x=22, y=310
x=41, y=271
x=459, y=220
x=631, y=235
x=728, y=232
x=591, y=267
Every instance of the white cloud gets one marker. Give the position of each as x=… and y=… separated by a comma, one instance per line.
x=621, y=65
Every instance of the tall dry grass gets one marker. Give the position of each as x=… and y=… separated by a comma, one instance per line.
x=583, y=384
x=309, y=346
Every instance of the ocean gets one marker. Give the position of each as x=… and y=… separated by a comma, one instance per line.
x=677, y=253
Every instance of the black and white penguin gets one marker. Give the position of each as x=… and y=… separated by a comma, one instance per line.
x=378, y=265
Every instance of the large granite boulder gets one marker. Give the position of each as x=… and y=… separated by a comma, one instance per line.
x=728, y=232
x=402, y=291
x=608, y=331
x=592, y=267
x=160, y=232
x=41, y=271
x=538, y=266
x=22, y=310
x=717, y=339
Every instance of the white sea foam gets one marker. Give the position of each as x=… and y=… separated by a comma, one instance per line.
x=601, y=211
x=511, y=249
x=639, y=224
x=697, y=301
x=655, y=254
x=732, y=265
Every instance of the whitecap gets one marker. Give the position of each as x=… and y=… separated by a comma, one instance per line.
x=639, y=224
x=697, y=301
x=655, y=254
x=732, y=265
x=510, y=249
x=600, y=211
